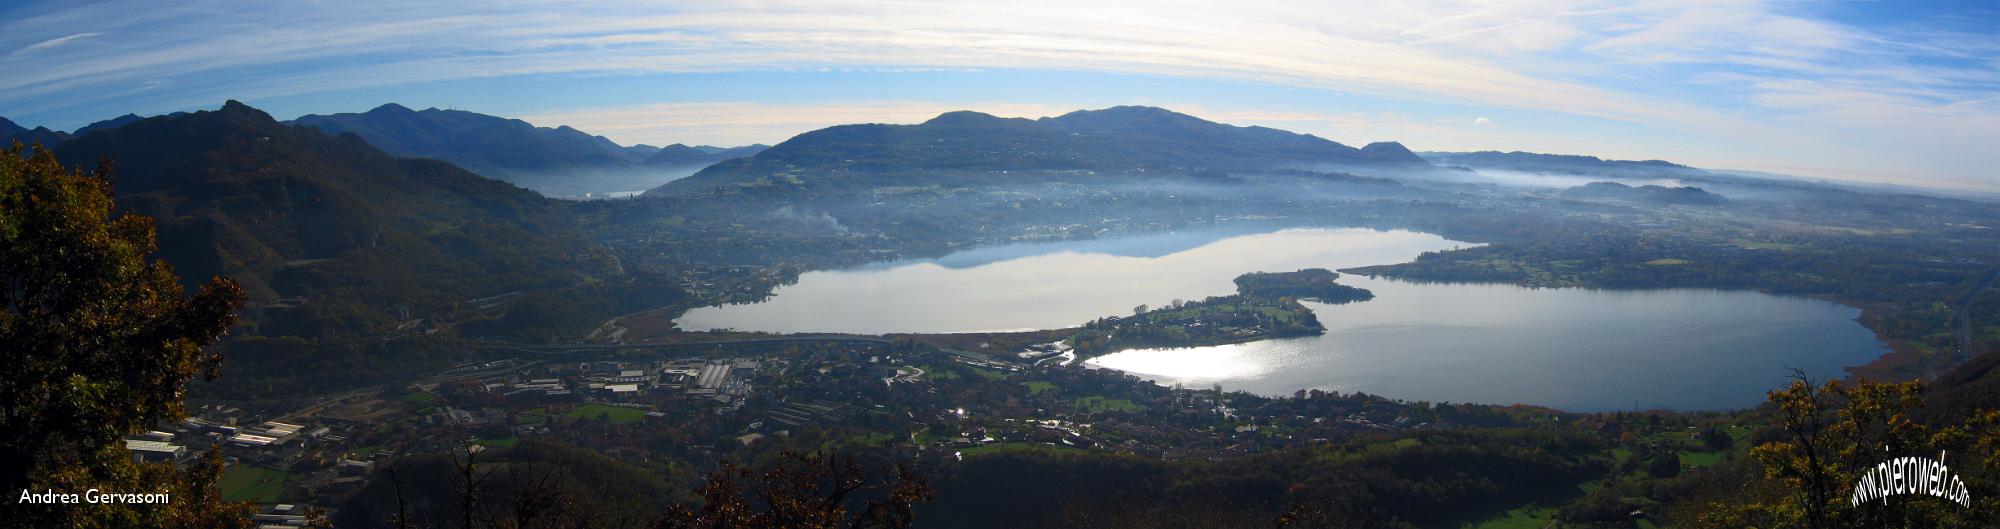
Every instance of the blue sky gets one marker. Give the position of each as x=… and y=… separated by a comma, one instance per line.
x=1887, y=91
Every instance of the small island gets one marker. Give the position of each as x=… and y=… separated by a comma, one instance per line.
x=1311, y=283
x=1266, y=305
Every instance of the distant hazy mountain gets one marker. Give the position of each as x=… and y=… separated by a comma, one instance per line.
x=1118, y=139
x=1530, y=162
x=1390, y=150
x=485, y=144
x=559, y=161
x=1649, y=193
x=702, y=155
x=640, y=151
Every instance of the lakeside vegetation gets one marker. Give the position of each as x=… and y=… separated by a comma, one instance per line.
x=1311, y=283
x=1265, y=306
x=1213, y=321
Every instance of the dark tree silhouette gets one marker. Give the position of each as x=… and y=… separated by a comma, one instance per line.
x=97, y=341
x=800, y=492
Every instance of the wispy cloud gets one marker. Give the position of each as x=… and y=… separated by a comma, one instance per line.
x=51, y=43
x=1747, y=75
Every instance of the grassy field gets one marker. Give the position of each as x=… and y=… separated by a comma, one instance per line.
x=932, y=372
x=253, y=483
x=954, y=370
x=1037, y=387
x=988, y=374
x=1530, y=517
x=420, y=397
x=1699, y=459
x=863, y=440
x=616, y=414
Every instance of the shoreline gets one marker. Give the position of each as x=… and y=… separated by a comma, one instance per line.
x=1901, y=363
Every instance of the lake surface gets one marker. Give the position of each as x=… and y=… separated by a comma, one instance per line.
x=1576, y=349
x=1052, y=285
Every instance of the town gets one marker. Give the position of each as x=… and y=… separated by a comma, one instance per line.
x=710, y=403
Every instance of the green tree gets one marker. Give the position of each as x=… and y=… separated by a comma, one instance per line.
x=1804, y=462
x=1834, y=432
x=1662, y=460
x=97, y=341
x=1715, y=438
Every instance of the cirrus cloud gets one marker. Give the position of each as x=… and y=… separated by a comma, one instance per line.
x=1737, y=79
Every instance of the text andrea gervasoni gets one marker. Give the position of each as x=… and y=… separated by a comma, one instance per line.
x=1915, y=476
x=92, y=496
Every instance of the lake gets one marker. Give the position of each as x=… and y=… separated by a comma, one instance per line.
x=1052, y=285
x=1576, y=349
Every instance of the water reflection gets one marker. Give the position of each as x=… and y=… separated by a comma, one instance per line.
x=1051, y=286
x=1575, y=349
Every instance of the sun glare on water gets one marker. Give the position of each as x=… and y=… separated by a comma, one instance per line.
x=1195, y=364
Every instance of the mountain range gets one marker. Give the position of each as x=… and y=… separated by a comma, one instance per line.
x=353, y=259
x=489, y=145
x=1122, y=139
x=559, y=161
x=1693, y=196
x=329, y=202
x=11, y=132
x=1568, y=164
x=679, y=155
x=568, y=163
x=290, y=211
